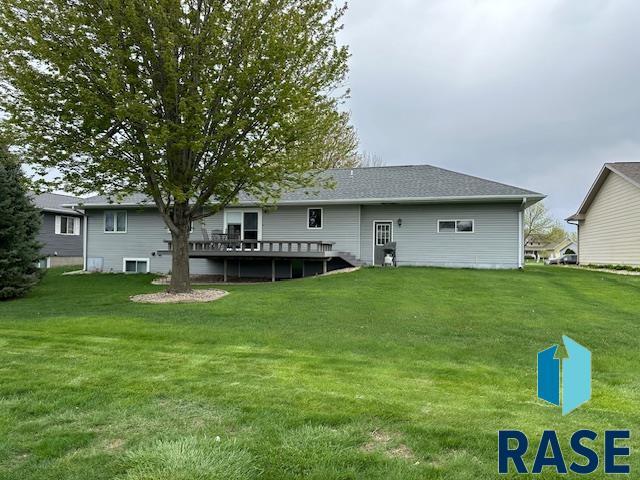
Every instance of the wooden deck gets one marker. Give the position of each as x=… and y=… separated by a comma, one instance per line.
x=293, y=249
x=261, y=249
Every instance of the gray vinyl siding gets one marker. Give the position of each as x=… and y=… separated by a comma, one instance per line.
x=495, y=242
x=610, y=232
x=340, y=224
x=58, y=245
x=146, y=235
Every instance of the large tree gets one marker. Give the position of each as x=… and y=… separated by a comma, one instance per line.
x=19, y=225
x=187, y=101
x=537, y=222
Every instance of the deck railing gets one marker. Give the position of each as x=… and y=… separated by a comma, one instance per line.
x=290, y=246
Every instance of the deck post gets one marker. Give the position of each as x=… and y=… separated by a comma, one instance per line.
x=324, y=266
x=225, y=270
x=273, y=270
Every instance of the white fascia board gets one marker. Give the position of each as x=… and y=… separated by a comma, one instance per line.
x=356, y=201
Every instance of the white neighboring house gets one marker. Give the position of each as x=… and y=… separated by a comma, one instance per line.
x=540, y=250
x=609, y=218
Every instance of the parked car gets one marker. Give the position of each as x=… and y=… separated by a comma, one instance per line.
x=570, y=259
x=552, y=261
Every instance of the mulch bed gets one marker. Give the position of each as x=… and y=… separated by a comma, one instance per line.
x=195, y=296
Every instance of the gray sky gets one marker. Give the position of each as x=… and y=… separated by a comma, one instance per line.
x=535, y=93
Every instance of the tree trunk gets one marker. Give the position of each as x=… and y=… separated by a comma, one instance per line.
x=180, y=279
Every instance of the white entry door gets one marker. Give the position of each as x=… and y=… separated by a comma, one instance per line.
x=382, y=234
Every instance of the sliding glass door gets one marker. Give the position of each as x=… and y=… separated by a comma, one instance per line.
x=244, y=225
x=250, y=228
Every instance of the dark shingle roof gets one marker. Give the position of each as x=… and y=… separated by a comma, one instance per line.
x=631, y=170
x=54, y=202
x=408, y=183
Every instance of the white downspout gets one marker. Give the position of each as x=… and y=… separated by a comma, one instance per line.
x=85, y=233
x=521, y=234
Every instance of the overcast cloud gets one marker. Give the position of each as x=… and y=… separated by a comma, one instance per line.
x=535, y=93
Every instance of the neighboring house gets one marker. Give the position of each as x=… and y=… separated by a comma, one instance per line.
x=609, y=218
x=60, y=231
x=564, y=247
x=539, y=249
x=435, y=217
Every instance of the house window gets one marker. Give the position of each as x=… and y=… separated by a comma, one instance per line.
x=135, y=265
x=456, y=226
x=115, y=221
x=383, y=233
x=314, y=218
x=67, y=225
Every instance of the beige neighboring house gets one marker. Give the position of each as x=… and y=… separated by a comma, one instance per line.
x=609, y=218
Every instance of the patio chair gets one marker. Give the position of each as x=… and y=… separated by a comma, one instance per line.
x=218, y=239
x=205, y=234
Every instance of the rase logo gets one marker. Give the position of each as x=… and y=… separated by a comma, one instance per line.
x=568, y=387
x=576, y=376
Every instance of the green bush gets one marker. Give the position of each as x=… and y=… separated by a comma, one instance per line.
x=627, y=268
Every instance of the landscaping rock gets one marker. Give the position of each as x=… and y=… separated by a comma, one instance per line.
x=195, y=296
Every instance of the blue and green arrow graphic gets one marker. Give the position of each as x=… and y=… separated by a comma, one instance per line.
x=576, y=375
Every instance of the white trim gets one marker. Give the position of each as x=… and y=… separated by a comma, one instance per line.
x=64, y=210
x=359, y=231
x=373, y=238
x=127, y=259
x=593, y=190
x=520, y=238
x=85, y=244
x=76, y=225
x=456, y=220
x=243, y=211
x=363, y=201
x=321, y=218
x=115, y=218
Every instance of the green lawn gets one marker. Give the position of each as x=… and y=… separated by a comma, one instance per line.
x=380, y=374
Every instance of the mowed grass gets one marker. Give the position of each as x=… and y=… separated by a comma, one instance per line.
x=404, y=373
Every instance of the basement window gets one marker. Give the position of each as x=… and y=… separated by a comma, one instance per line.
x=135, y=265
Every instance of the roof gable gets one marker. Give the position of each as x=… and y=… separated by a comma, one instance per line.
x=630, y=171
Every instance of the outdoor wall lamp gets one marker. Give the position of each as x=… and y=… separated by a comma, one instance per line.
x=399, y=222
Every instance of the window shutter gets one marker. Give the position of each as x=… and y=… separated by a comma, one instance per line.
x=58, y=218
x=76, y=226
